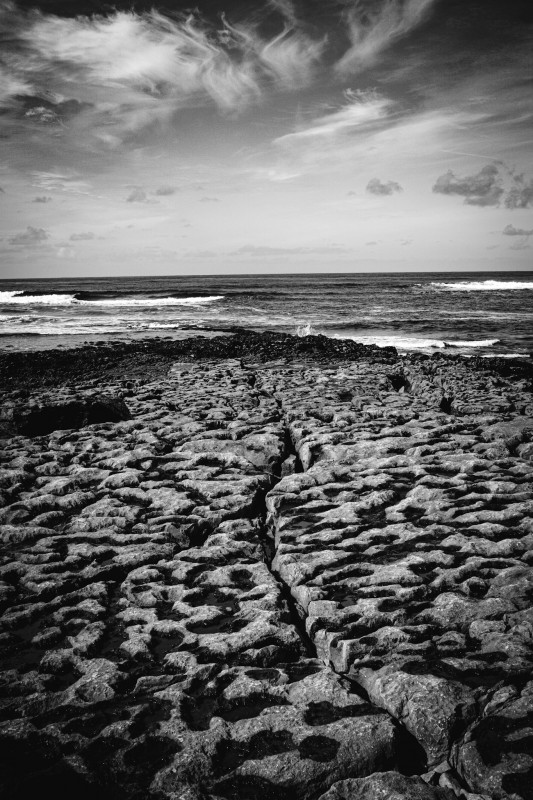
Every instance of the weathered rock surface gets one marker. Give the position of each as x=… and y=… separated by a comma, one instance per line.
x=272, y=580
x=386, y=786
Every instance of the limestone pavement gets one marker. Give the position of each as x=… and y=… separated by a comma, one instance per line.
x=269, y=580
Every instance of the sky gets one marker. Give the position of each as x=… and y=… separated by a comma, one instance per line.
x=265, y=136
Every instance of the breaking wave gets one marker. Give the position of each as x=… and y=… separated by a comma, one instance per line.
x=415, y=343
x=482, y=286
x=20, y=298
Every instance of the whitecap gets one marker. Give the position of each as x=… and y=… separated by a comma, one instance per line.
x=400, y=342
x=17, y=298
x=305, y=330
x=482, y=286
x=478, y=343
x=416, y=343
x=152, y=301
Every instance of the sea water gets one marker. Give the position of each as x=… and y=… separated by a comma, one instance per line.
x=468, y=313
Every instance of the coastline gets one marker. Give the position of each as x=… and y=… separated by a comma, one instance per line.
x=153, y=356
x=265, y=566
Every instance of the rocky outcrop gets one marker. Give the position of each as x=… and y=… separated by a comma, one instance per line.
x=278, y=579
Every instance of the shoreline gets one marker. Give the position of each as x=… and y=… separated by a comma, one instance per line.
x=265, y=566
x=56, y=366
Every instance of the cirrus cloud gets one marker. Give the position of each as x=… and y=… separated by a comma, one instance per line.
x=126, y=71
x=374, y=27
x=360, y=110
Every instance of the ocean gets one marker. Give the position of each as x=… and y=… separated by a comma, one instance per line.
x=487, y=314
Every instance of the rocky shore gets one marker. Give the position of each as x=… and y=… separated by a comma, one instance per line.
x=258, y=567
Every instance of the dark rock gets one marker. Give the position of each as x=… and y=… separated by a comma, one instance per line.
x=44, y=418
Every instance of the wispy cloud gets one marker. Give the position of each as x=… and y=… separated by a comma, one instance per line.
x=52, y=181
x=374, y=27
x=361, y=110
x=128, y=71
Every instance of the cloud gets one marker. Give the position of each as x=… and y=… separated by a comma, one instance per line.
x=286, y=9
x=370, y=244
x=209, y=200
x=521, y=194
x=482, y=189
x=121, y=73
x=138, y=195
x=375, y=186
x=82, y=237
x=164, y=191
x=510, y=230
x=361, y=110
x=290, y=59
x=265, y=250
x=492, y=184
x=42, y=200
x=372, y=28
x=30, y=237
x=52, y=181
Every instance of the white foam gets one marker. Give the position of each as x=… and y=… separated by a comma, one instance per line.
x=478, y=343
x=305, y=330
x=401, y=342
x=415, y=343
x=507, y=355
x=483, y=286
x=16, y=298
x=152, y=301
